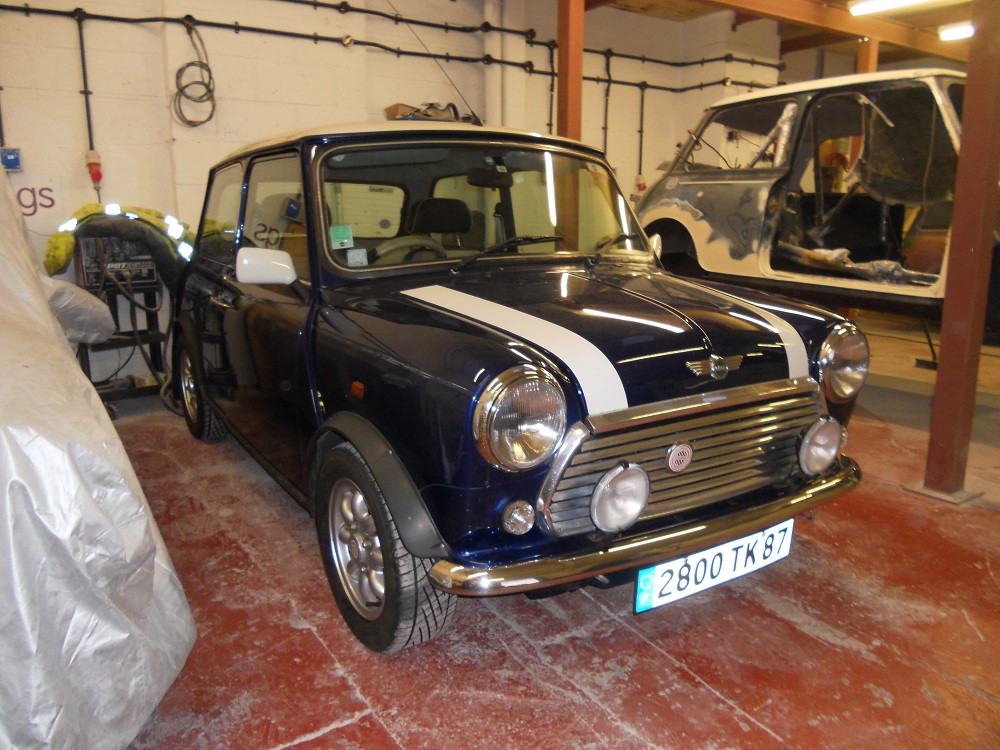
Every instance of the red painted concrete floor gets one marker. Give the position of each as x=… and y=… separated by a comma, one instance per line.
x=879, y=631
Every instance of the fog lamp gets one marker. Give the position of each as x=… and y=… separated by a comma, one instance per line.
x=620, y=497
x=518, y=517
x=820, y=445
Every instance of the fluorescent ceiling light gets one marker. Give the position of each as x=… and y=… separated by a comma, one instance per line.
x=877, y=6
x=956, y=31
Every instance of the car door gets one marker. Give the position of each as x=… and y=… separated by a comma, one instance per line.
x=267, y=400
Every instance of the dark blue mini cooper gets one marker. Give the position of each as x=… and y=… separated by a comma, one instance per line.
x=455, y=347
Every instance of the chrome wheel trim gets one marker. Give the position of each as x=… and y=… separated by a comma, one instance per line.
x=188, y=390
x=356, y=549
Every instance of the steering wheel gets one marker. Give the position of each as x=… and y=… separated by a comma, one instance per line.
x=411, y=241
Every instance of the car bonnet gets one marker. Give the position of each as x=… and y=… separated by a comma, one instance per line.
x=629, y=338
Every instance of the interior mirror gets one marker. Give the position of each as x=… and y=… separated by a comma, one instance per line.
x=489, y=177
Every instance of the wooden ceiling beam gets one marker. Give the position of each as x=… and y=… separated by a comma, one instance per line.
x=900, y=55
x=591, y=4
x=833, y=18
x=931, y=20
x=811, y=41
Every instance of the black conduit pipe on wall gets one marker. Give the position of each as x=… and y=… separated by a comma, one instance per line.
x=79, y=15
x=189, y=23
x=347, y=41
x=552, y=84
x=607, y=95
x=642, y=118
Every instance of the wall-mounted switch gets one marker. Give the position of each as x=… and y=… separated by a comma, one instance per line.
x=11, y=159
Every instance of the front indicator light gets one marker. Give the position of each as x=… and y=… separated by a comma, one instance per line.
x=619, y=498
x=518, y=517
x=820, y=445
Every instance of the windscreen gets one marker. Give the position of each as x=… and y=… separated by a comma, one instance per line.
x=745, y=136
x=433, y=203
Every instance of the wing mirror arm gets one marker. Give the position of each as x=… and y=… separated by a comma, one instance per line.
x=301, y=290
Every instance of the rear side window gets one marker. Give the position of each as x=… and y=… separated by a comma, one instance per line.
x=216, y=241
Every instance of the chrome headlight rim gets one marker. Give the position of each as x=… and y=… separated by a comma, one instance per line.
x=488, y=409
x=827, y=364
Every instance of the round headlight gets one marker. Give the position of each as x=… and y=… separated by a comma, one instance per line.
x=520, y=419
x=843, y=362
x=620, y=497
x=820, y=445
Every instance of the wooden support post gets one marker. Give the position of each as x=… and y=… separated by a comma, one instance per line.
x=569, y=107
x=867, y=55
x=971, y=250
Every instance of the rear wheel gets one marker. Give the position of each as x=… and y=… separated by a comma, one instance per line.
x=382, y=591
x=202, y=422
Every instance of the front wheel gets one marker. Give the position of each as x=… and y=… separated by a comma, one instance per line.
x=382, y=590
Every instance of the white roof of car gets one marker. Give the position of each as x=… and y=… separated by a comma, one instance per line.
x=828, y=83
x=395, y=126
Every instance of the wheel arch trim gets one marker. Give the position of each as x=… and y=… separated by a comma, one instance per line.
x=417, y=530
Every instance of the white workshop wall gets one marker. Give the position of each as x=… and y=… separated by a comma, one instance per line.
x=267, y=85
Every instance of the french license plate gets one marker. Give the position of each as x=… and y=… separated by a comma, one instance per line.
x=674, y=580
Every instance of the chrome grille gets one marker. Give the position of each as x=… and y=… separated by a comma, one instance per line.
x=743, y=440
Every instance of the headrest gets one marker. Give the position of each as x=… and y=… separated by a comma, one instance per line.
x=443, y=215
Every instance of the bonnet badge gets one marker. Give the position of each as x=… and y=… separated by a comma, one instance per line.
x=679, y=457
x=716, y=366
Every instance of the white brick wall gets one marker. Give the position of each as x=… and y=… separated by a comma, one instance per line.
x=267, y=85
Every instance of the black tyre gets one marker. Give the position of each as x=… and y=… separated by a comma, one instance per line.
x=202, y=422
x=381, y=589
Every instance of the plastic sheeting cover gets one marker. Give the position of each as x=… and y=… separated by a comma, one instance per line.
x=94, y=624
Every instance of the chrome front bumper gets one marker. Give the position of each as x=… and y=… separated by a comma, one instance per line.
x=636, y=552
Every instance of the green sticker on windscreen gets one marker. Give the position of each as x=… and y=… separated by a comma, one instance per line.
x=341, y=237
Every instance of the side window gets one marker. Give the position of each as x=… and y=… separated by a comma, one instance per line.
x=835, y=132
x=222, y=211
x=275, y=213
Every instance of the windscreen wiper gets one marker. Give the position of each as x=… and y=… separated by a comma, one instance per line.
x=606, y=243
x=508, y=244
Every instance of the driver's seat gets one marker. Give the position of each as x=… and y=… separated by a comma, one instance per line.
x=439, y=216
